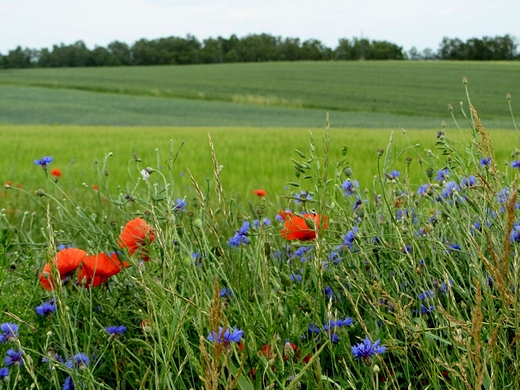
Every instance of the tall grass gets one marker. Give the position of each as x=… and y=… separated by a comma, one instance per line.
x=409, y=283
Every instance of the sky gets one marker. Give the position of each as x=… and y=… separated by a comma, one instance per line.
x=40, y=24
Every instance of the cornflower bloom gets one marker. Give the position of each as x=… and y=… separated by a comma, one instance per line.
x=366, y=349
x=226, y=293
x=485, y=161
x=240, y=236
x=10, y=332
x=349, y=187
x=80, y=360
x=302, y=197
x=338, y=324
x=515, y=164
x=4, y=373
x=450, y=189
x=13, y=357
x=470, y=181
x=226, y=336
x=46, y=308
x=44, y=162
x=115, y=330
x=179, y=205
x=394, y=175
x=442, y=174
x=68, y=384
x=515, y=233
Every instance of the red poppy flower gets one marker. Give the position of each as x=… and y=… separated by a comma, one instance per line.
x=260, y=192
x=56, y=172
x=95, y=187
x=96, y=269
x=267, y=351
x=301, y=228
x=9, y=183
x=66, y=261
x=135, y=235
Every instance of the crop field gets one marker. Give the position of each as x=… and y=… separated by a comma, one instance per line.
x=200, y=228
x=358, y=94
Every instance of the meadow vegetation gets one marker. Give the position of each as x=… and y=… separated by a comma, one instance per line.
x=259, y=258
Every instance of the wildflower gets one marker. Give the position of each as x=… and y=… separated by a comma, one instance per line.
x=13, y=357
x=46, y=308
x=468, y=181
x=265, y=222
x=301, y=228
x=335, y=257
x=303, y=253
x=180, y=205
x=95, y=187
x=426, y=295
x=329, y=293
x=241, y=236
x=349, y=187
x=68, y=384
x=260, y=192
x=334, y=338
x=10, y=332
x=226, y=293
x=288, y=349
x=348, y=239
x=44, y=162
x=515, y=164
x=366, y=349
x=449, y=190
x=338, y=324
x=56, y=173
x=80, y=361
x=66, y=261
x=135, y=235
x=96, y=269
x=226, y=336
x=424, y=190
x=394, y=175
x=115, y=330
x=145, y=173
x=303, y=197
x=515, y=233
x=313, y=329
x=4, y=373
x=426, y=310
x=485, y=161
x=295, y=277
x=442, y=174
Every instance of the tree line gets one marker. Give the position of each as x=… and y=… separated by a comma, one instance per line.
x=251, y=48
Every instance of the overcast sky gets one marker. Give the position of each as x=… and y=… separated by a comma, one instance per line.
x=419, y=23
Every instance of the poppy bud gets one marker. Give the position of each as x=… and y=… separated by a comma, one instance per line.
x=197, y=223
x=347, y=171
x=379, y=152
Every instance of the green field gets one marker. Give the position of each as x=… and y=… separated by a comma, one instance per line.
x=357, y=94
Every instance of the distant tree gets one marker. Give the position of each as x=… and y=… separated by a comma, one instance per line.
x=383, y=50
x=314, y=50
x=345, y=50
x=212, y=51
x=19, y=58
x=120, y=53
x=290, y=49
x=414, y=54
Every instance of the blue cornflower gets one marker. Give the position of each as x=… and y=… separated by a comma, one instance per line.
x=470, y=181
x=515, y=164
x=366, y=349
x=68, y=384
x=442, y=174
x=348, y=239
x=265, y=221
x=426, y=310
x=393, y=175
x=335, y=257
x=313, y=328
x=52, y=357
x=515, y=233
x=64, y=246
x=226, y=336
x=303, y=253
x=240, y=236
x=349, y=187
x=80, y=360
x=115, y=330
x=450, y=188
x=13, y=357
x=423, y=190
x=329, y=293
x=454, y=248
x=302, y=197
x=426, y=295
x=4, y=373
x=179, y=205
x=357, y=203
x=226, y=293
x=295, y=277
x=334, y=338
x=485, y=161
x=44, y=161
x=10, y=331
x=46, y=308
x=338, y=323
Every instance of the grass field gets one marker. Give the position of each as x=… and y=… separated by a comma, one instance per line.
x=359, y=94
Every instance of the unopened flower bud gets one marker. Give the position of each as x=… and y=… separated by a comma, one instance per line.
x=379, y=152
x=508, y=96
x=464, y=80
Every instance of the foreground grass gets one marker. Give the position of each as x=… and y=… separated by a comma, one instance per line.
x=405, y=89
x=428, y=273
